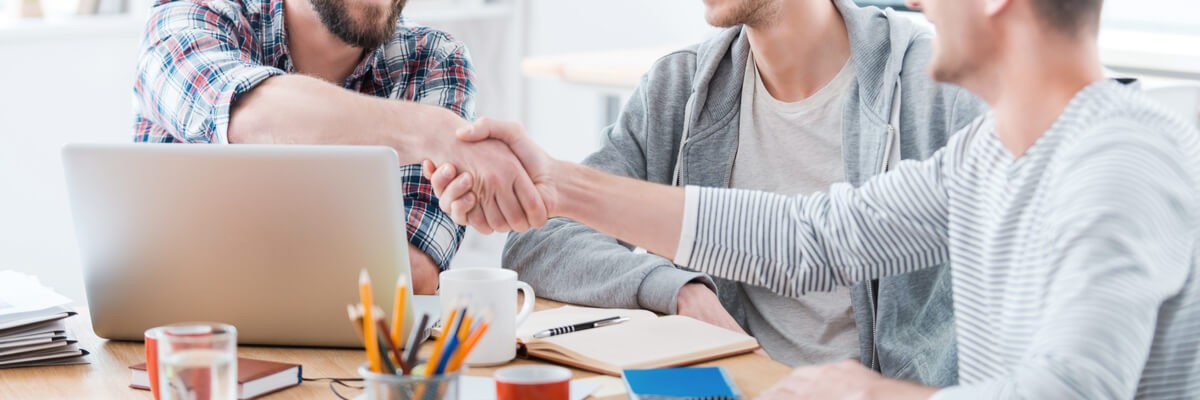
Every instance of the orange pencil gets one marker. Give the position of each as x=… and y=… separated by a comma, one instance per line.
x=465, y=350
x=431, y=365
x=370, y=337
x=398, y=312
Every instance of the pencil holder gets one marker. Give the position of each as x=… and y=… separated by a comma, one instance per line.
x=404, y=387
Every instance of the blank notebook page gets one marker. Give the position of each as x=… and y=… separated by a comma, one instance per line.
x=660, y=341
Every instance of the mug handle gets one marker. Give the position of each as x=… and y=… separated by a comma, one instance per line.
x=527, y=303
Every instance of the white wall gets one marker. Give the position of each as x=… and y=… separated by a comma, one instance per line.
x=566, y=118
x=54, y=92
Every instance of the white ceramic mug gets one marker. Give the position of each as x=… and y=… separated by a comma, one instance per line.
x=494, y=291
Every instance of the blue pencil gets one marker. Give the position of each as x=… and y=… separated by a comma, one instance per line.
x=451, y=347
x=451, y=342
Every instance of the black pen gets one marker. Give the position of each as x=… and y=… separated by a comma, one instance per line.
x=579, y=327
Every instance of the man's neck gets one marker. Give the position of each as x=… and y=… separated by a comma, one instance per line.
x=1033, y=88
x=315, y=51
x=801, y=50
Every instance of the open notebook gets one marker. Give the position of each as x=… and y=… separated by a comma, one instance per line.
x=645, y=341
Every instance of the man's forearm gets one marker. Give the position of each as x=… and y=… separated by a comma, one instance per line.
x=297, y=109
x=645, y=214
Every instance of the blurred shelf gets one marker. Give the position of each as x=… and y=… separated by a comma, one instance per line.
x=1169, y=54
x=425, y=13
x=30, y=29
x=620, y=69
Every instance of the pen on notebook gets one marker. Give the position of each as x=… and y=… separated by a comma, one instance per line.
x=580, y=327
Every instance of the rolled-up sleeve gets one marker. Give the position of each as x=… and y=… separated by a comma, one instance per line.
x=195, y=61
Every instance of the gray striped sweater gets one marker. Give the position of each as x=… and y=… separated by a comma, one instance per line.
x=1074, y=266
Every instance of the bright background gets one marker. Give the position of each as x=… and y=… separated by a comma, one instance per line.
x=67, y=79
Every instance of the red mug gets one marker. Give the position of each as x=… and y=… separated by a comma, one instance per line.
x=525, y=382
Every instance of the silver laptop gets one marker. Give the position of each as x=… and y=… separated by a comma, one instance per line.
x=268, y=238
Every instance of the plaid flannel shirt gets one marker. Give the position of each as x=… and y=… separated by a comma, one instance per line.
x=198, y=56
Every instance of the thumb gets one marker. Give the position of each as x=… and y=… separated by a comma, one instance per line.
x=486, y=128
x=428, y=169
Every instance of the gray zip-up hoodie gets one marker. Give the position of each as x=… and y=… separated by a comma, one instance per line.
x=680, y=127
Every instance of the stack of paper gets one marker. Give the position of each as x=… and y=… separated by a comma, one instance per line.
x=32, y=332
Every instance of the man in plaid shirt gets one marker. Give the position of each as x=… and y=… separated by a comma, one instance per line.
x=318, y=72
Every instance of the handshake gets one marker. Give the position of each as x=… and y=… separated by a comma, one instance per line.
x=495, y=179
x=505, y=183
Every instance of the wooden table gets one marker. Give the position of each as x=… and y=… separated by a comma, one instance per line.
x=108, y=374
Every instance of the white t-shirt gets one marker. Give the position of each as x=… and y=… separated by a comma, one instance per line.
x=795, y=149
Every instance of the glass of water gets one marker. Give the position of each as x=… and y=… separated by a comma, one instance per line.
x=198, y=361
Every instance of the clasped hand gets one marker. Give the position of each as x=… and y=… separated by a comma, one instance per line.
x=489, y=194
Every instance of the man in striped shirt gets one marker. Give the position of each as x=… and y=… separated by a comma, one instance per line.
x=1070, y=218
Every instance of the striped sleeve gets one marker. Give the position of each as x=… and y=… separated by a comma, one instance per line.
x=1122, y=247
x=895, y=223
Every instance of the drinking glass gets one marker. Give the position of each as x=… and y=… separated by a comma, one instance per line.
x=198, y=361
x=378, y=386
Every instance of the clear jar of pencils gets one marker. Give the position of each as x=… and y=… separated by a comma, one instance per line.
x=378, y=386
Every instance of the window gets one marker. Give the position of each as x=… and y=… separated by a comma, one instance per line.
x=1162, y=16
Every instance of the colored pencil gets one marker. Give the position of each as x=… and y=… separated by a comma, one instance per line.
x=437, y=348
x=447, y=353
x=391, y=345
x=356, y=320
x=465, y=351
x=370, y=337
x=464, y=329
x=451, y=343
x=415, y=342
x=398, y=313
x=386, y=365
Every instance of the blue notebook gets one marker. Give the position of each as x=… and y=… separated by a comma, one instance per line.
x=704, y=383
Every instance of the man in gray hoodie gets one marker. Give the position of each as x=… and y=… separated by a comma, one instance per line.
x=794, y=96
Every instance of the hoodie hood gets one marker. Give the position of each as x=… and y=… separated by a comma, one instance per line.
x=721, y=61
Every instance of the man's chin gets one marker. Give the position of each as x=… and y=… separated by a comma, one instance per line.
x=946, y=75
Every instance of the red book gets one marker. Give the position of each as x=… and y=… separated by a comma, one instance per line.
x=255, y=377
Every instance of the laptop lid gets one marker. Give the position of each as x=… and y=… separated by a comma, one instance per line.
x=269, y=238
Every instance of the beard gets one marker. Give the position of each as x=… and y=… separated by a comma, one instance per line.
x=745, y=12
x=376, y=27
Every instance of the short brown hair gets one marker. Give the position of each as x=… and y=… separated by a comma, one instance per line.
x=1070, y=16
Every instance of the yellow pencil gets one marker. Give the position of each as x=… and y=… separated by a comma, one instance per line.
x=370, y=337
x=465, y=349
x=448, y=323
x=398, y=312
